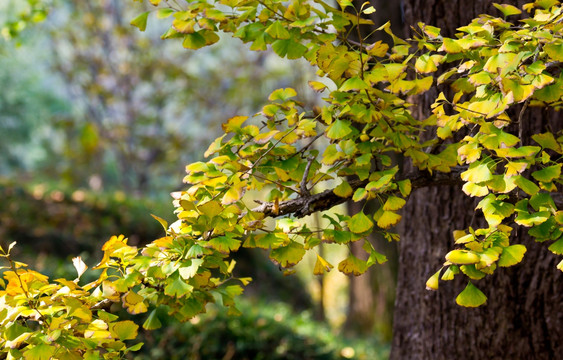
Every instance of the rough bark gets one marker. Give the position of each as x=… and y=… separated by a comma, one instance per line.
x=522, y=318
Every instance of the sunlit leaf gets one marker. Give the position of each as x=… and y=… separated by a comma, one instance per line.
x=471, y=297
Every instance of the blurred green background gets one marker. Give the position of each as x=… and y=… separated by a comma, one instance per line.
x=97, y=122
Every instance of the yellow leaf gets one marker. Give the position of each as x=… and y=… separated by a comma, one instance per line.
x=321, y=266
x=388, y=219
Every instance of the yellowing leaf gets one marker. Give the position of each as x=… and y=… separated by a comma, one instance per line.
x=360, y=223
x=507, y=9
x=471, y=297
x=343, y=190
x=432, y=282
x=393, y=203
x=475, y=190
x=428, y=63
x=133, y=303
x=477, y=174
x=97, y=329
x=321, y=266
x=450, y=46
x=352, y=265
x=234, y=193
x=511, y=255
x=124, y=330
x=388, y=219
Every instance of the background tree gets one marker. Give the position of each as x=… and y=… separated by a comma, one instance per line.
x=522, y=317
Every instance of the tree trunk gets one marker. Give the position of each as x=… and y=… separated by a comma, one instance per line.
x=522, y=317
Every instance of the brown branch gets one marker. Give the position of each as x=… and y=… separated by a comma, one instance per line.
x=306, y=205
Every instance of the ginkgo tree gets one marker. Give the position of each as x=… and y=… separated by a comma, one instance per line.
x=300, y=161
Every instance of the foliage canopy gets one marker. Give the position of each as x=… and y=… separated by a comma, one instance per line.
x=309, y=160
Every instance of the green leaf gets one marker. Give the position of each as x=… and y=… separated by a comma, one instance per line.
x=547, y=141
x=277, y=31
x=177, y=287
x=360, y=223
x=526, y=185
x=288, y=255
x=511, y=255
x=224, y=244
x=282, y=94
x=141, y=21
x=152, y=321
x=194, y=41
x=507, y=10
x=343, y=190
x=289, y=48
x=557, y=247
x=471, y=297
x=355, y=84
x=547, y=174
x=339, y=129
x=555, y=51
x=359, y=194
x=39, y=352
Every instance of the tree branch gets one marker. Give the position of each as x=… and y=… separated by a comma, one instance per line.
x=306, y=205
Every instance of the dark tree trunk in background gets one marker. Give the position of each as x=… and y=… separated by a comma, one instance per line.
x=522, y=318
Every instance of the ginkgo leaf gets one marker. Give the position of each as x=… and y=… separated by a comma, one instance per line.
x=79, y=265
x=152, y=321
x=277, y=30
x=477, y=174
x=388, y=219
x=394, y=203
x=343, y=190
x=432, y=282
x=471, y=296
x=224, y=244
x=360, y=223
x=176, y=287
x=288, y=255
x=321, y=266
x=557, y=247
x=134, y=303
x=141, y=21
x=526, y=185
x=352, y=265
x=507, y=9
x=339, y=129
x=41, y=351
x=124, y=330
x=511, y=255
x=548, y=173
